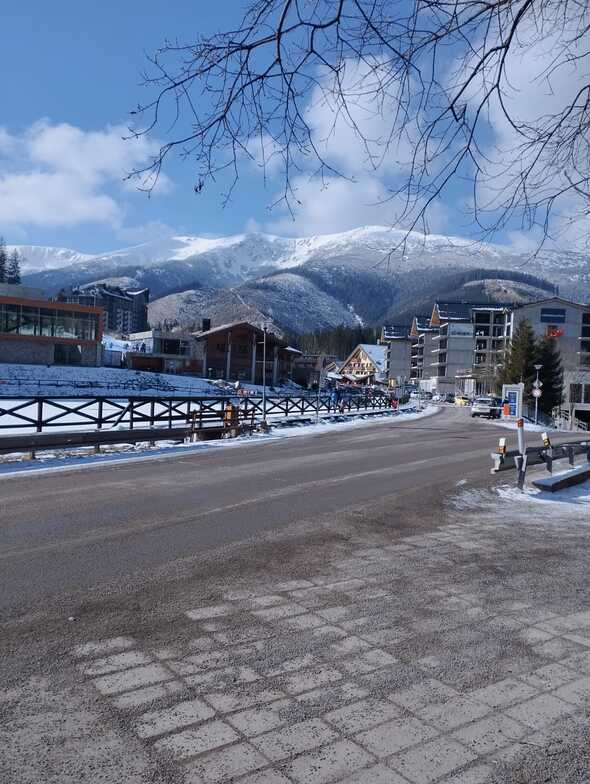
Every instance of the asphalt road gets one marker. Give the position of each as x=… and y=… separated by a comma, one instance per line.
x=68, y=531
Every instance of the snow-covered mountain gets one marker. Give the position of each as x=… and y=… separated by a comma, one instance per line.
x=337, y=278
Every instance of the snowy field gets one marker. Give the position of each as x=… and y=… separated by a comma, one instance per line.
x=52, y=460
x=27, y=380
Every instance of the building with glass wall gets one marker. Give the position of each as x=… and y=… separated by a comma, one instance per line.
x=38, y=331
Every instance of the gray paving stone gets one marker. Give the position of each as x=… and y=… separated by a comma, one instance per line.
x=200, y=662
x=423, y=693
x=197, y=740
x=390, y=636
x=224, y=765
x=269, y=776
x=348, y=645
x=246, y=697
x=335, y=614
x=103, y=647
x=540, y=711
x=328, y=764
x=453, y=713
x=311, y=679
x=367, y=662
x=115, y=663
x=132, y=679
x=580, y=662
x=362, y=715
x=288, y=665
x=223, y=678
x=280, y=611
x=266, y=600
x=394, y=736
x=168, y=719
x=557, y=648
x=490, y=734
x=255, y=721
x=292, y=585
x=143, y=697
x=549, y=677
x=294, y=739
x=378, y=774
x=428, y=762
x=577, y=692
x=331, y=697
x=306, y=621
x=503, y=693
x=475, y=774
x=213, y=611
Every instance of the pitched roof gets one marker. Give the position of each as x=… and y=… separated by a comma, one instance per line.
x=559, y=300
x=394, y=331
x=377, y=354
x=453, y=311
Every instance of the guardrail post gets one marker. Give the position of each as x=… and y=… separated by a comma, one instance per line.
x=571, y=455
x=131, y=404
x=521, y=461
x=39, y=416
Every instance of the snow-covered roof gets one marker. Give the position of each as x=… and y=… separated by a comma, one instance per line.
x=377, y=354
x=394, y=332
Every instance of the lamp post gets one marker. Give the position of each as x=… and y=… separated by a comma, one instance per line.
x=537, y=392
x=264, y=331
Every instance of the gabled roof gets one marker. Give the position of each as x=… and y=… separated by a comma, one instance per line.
x=451, y=311
x=421, y=324
x=394, y=332
x=555, y=300
x=234, y=325
x=377, y=354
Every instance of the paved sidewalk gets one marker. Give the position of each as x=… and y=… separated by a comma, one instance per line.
x=440, y=657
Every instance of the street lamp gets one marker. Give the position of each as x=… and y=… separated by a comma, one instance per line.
x=537, y=392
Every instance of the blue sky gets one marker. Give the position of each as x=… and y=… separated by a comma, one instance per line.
x=80, y=63
x=70, y=72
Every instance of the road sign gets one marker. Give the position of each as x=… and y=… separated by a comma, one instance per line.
x=537, y=393
x=537, y=384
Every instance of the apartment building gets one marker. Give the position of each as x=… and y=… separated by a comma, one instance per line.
x=399, y=343
x=569, y=324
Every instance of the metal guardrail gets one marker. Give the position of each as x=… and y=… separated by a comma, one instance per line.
x=39, y=413
x=548, y=453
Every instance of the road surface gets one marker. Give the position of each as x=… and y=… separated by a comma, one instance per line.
x=65, y=532
x=348, y=608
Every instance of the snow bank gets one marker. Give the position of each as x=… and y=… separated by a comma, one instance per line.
x=26, y=380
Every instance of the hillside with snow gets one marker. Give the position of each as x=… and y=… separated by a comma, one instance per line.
x=299, y=283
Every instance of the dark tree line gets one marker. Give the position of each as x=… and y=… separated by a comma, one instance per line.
x=339, y=341
x=10, y=264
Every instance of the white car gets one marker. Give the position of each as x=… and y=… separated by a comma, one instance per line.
x=489, y=407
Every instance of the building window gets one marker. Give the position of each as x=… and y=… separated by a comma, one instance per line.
x=575, y=393
x=586, y=318
x=585, y=346
x=482, y=318
x=586, y=393
x=481, y=331
x=553, y=315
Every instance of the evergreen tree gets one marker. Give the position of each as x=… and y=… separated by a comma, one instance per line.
x=13, y=268
x=520, y=359
x=3, y=260
x=551, y=374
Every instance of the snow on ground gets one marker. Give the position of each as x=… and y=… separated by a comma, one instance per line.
x=79, y=458
x=531, y=506
x=25, y=380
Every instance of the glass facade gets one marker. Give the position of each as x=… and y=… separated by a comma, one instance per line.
x=32, y=321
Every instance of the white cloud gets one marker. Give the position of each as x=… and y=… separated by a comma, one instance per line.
x=152, y=230
x=339, y=205
x=57, y=175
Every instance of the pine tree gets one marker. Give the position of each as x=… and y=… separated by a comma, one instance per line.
x=13, y=268
x=520, y=359
x=551, y=374
x=3, y=260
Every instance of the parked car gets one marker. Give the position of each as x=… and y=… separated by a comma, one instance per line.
x=449, y=397
x=462, y=400
x=489, y=407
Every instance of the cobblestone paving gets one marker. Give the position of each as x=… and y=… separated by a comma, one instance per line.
x=428, y=658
